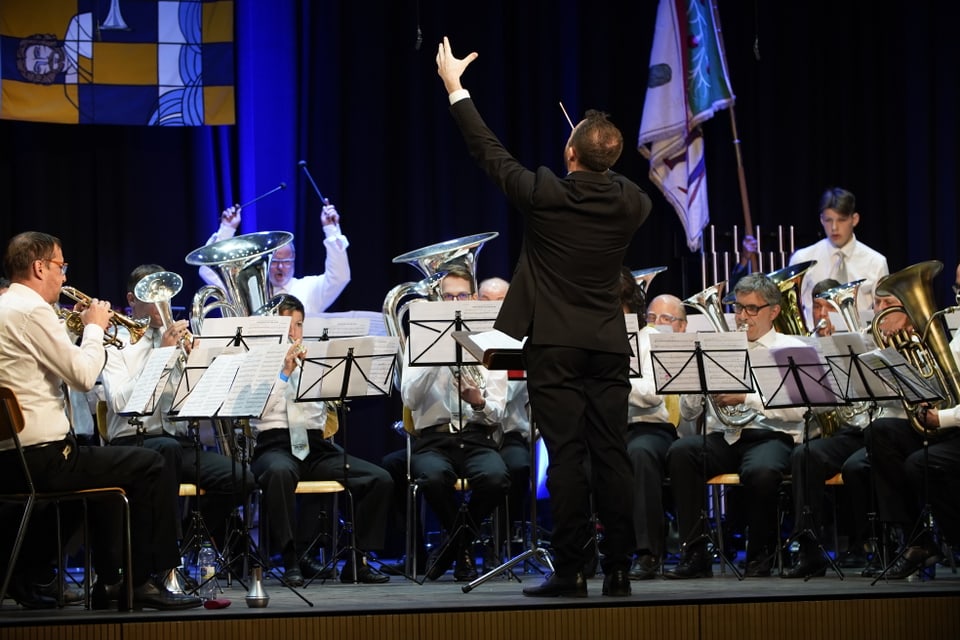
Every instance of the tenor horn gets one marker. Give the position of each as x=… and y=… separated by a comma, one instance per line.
x=790, y=319
x=707, y=302
x=243, y=264
x=843, y=298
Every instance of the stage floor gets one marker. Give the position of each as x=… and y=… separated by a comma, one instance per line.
x=405, y=608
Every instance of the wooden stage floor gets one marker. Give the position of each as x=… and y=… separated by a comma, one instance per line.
x=718, y=607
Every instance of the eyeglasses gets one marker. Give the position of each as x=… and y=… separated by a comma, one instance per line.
x=63, y=265
x=464, y=295
x=288, y=262
x=749, y=309
x=664, y=318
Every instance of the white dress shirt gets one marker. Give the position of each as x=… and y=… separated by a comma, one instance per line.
x=37, y=357
x=860, y=261
x=644, y=403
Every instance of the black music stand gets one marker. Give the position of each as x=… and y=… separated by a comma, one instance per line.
x=347, y=368
x=702, y=364
x=893, y=368
x=430, y=325
x=799, y=377
x=506, y=354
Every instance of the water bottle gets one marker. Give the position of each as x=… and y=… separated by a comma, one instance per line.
x=207, y=563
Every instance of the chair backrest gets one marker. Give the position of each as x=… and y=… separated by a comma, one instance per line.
x=11, y=418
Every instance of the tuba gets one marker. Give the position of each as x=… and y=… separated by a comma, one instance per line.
x=136, y=328
x=243, y=264
x=928, y=350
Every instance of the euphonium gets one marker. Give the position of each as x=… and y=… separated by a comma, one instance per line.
x=243, y=263
x=843, y=298
x=136, y=328
x=928, y=350
x=643, y=277
x=707, y=302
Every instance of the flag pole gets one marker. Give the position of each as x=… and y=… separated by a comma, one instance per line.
x=741, y=175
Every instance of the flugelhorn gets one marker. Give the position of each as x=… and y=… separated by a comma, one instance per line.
x=136, y=328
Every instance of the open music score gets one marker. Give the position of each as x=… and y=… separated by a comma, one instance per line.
x=371, y=359
x=151, y=383
x=725, y=366
x=431, y=324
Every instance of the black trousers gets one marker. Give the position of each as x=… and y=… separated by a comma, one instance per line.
x=225, y=482
x=760, y=456
x=66, y=466
x=813, y=464
x=278, y=471
x=647, y=446
x=579, y=401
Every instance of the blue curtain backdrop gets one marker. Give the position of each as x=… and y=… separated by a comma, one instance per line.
x=841, y=94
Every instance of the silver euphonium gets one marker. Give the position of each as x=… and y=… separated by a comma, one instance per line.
x=429, y=260
x=643, y=277
x=708, y=303
x=243, y=264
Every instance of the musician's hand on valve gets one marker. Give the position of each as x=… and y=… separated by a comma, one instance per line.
x=295, y=354
x=469, y=391
x=928, y=416
x=97, y=312
x=174, y=333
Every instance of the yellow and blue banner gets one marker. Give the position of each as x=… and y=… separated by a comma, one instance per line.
x=131, y=62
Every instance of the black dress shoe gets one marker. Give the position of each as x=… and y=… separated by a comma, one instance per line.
x=617, y=583
x=312, y=569
x=28, y=595
x=759, y=567
x=465, y=571
x=293, y=577
x=365, y=575
x=693, y=564
x=151, y=595
x=808, y=565
x=644, y=567
x=71, y=594
x=557, y=587
x=915, y=558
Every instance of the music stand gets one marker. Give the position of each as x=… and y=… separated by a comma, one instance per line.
x=702, y=363
x=893, y=368
x=799, y=377
x=431, y=323
x=334, y=371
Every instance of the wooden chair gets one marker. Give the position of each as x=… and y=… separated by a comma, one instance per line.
x=11, y=425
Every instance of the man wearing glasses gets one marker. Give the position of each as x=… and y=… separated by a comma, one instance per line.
x=316, y=292
x=758, y=450
x=839, y=254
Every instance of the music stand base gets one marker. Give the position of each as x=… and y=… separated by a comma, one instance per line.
x=539, y=553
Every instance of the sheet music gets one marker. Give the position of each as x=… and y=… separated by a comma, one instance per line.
x=855, y=382
x=432, y=322
x=496, y=339
x=340, y=327
x=377, y=326
x=197, y=362
x=253, y=329
x=150, y=383
x=254, y=380
x=633, y=337
x=794, y=376
x=371, y=370
x=212, y=390
x=900, y=376
x=726, y=366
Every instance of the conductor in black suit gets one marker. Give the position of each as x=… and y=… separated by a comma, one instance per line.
x=564, y=297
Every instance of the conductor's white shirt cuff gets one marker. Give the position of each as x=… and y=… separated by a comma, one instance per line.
x=458, y=95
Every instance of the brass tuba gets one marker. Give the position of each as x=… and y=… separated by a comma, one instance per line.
x=136, y=328
x=243, y=263
x=927, y=350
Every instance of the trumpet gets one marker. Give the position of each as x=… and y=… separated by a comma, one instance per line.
x=136, y=328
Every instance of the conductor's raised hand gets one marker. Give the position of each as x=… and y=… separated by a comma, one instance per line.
x=449, y=67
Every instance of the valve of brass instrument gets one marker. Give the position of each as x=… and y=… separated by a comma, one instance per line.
x=135, y=328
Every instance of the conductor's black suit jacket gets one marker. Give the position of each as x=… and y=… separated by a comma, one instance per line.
x=565, y=287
